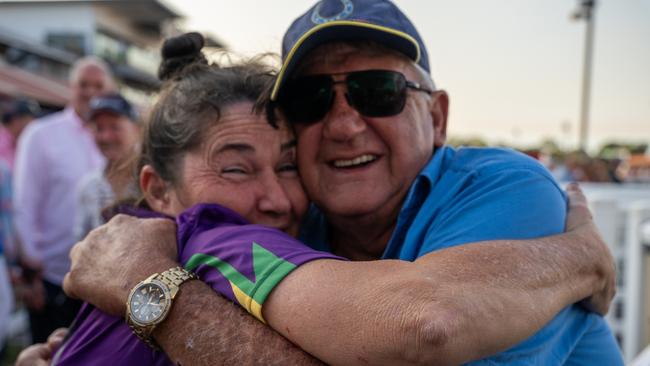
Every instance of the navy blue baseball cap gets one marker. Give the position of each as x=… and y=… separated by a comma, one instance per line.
x=21, y=107
x=112, y=103
x=349, y=20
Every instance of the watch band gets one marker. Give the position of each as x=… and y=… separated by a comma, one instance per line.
x=172, y=278
x=144, y=333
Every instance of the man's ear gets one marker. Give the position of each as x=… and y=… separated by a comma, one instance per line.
x=155, y=190
x=439, y=114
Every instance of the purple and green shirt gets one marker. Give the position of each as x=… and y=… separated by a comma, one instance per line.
x=240, y=261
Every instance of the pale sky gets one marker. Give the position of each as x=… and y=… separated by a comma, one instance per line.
x=512, y=68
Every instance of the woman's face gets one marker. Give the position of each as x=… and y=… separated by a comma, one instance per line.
x=248, y=166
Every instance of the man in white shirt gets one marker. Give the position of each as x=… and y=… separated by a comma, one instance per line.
x=54, y=153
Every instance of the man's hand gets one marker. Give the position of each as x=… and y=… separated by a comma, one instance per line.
x=116, y=256
x=579, y=222
x=579, y=214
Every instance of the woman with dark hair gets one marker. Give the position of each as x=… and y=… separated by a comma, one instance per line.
x=207, y=141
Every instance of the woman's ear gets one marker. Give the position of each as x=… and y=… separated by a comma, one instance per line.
x=155, y=190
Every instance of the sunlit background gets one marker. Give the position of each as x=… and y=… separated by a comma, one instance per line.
x=513, y=68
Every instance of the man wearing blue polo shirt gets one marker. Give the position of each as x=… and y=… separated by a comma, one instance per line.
x=369, y=155
x=371, y=128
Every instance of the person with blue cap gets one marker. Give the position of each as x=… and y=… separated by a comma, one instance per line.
x=373, y=161
x=116, y=128
x=371, y=127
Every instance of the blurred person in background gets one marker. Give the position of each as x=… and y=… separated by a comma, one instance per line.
x=14, y=120
x=20, y=113
x=116, y=128
x=54, y=153
x=6, y=230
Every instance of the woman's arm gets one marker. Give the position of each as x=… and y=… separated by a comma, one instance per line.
x=204, y=328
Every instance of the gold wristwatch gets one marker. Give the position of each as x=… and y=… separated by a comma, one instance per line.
x=150, y=301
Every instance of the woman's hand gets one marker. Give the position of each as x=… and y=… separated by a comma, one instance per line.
x=40, y=354
x=580, y=222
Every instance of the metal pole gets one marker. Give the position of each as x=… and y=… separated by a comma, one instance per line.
x=637, y=214
x=588, y=7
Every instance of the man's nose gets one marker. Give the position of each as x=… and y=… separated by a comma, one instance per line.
x=343, y=122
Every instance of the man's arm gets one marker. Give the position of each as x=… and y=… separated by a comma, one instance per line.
x=448, y=307
x=222, y=333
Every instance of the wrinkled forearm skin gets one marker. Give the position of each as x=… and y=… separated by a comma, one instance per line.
x=446, y=308
x=204, y=328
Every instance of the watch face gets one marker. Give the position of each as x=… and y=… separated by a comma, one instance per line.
x=148, y=303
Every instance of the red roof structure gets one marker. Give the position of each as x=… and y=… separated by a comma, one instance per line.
x=18, y=82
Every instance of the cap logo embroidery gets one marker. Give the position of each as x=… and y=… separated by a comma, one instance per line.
x=348, y=7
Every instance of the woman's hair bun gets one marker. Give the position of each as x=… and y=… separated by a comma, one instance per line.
x=179, y=52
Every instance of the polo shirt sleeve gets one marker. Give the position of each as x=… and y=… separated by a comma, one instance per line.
x=242, y=262
x=510, y=203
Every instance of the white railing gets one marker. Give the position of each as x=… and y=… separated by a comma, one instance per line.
x=622, y=214
x=643, y=359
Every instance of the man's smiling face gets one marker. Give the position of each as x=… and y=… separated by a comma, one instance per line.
x=353, y=165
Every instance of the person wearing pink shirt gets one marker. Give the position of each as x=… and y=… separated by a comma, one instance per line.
x=54, y=153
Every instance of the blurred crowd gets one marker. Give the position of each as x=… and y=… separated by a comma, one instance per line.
x=578, y=166
x=57, y=173
x=612, y=163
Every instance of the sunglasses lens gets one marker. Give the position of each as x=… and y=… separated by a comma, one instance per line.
x=374, y=93
x=307, y=99
x=377, y=93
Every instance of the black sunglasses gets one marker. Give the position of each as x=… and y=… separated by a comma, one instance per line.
x=373, y=93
